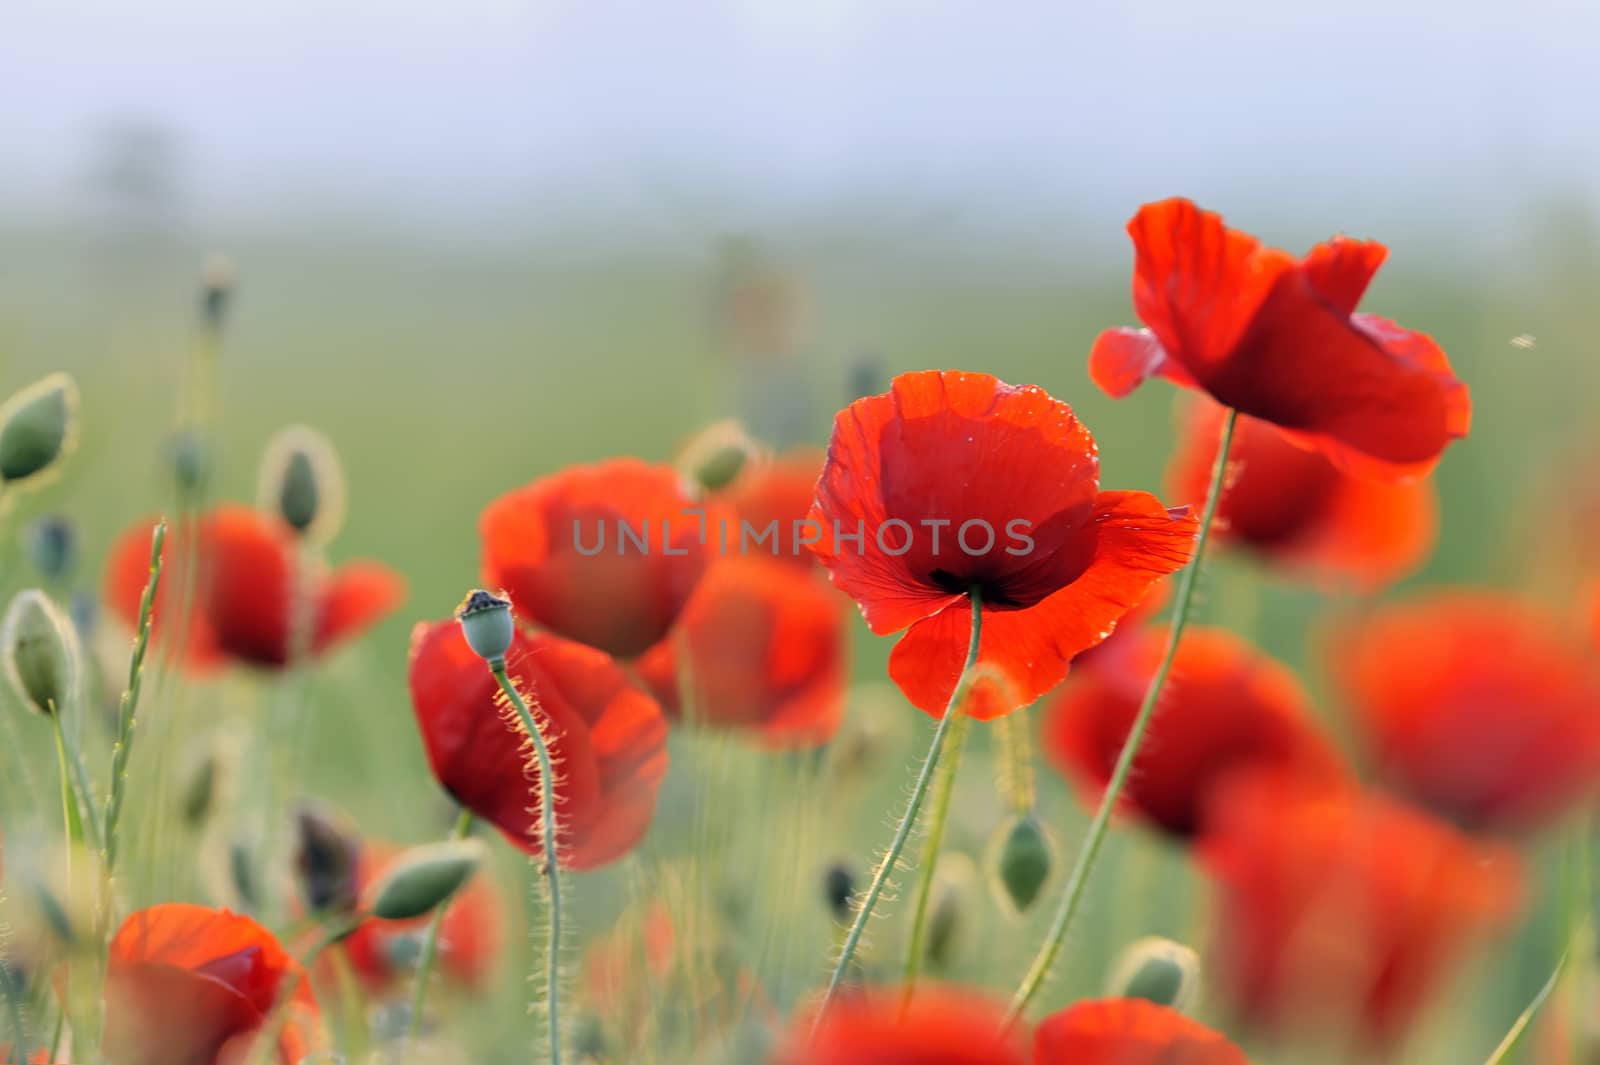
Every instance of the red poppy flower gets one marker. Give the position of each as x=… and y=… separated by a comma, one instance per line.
x=1342, y=913
x=1280, y=340
x=469, y=936
x=1226, y=707
x=1292, y=506
x=1123, y=1031
x=954, y=480
x=1477, y=706
x=196, y=985
x=771, y=501
x=622, y=968
x=1113, y=653
x=606, y=555
x=608, y=737
x=940, y=1026
x=38, y=1057
x=762, y=647
x=246, y=571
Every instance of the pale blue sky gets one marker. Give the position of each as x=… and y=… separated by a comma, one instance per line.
x=470, y=109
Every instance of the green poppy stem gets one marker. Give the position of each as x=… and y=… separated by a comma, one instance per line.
x=430, y=951
x=908, y=822
x=1079, y=878
x=943, y=790
x=552, y=866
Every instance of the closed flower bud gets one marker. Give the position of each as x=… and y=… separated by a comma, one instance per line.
x=1158, y=970
x=838, y=888
x=38, y=426
x=423, y=877
x=217, y=279
x=716, y=455
x=53, y=547
x=327, y=859
x=200, y=790
x=191, y=461
x=39, y=652
x=486, y=623
x=301, y=482
x=868, y=375
x=1020, y=859
x=952, y=891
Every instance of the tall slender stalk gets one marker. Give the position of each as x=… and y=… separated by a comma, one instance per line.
x=430, y=950
x=943, y=790
x=128, y=706
x=1040, y=969
x=919, y=792
x=552, y=866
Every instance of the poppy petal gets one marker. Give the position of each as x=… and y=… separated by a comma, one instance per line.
x=1129, y=1031
x=1138, y=542
x=356, y=596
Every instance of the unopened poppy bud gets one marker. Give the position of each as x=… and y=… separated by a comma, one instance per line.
x=423, y=877
x=868, y=376
x=1020, y=860
x=53, y=547
x=716, y=455
x=952, y=888
x=301, y=482
x=39, y=651
x=327, y=859
x=217, y=279
x=486, y=623
x=37, y=427
x=241, y=870
x=838, y=888
x=199, y=790
x=1158, y=970
x=191, y=461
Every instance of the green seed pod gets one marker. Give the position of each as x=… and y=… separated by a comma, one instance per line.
x=716, y=455
x=486, y=622
x=423, y=877
x=1159, y=970
x=39, y=652
x=1020, y=859
x=38, y=426
x=301, y=481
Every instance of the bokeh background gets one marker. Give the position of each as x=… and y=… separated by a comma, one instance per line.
x=478, y=241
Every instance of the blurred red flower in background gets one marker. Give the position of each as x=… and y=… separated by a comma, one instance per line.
x=624, y=968
x=760, y=646
x=1294, y=508
x=470, y=933
x=608, y=737
x=1226, y=707
x=1129, y=1032
x=776, y=493
x=1278, y=339
x=247, y=571
x=939, y=1026
x=944, y=451
x=1340, y=914
x=195, y=985
x=557, y=549
x=1476, y=705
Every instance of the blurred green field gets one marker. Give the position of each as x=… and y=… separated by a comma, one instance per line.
x=447, y=374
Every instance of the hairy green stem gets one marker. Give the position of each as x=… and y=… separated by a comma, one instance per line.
x=943, y=790
x=919, y=792
x=430, y=950
x=1090, y=850
x=552, y=866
